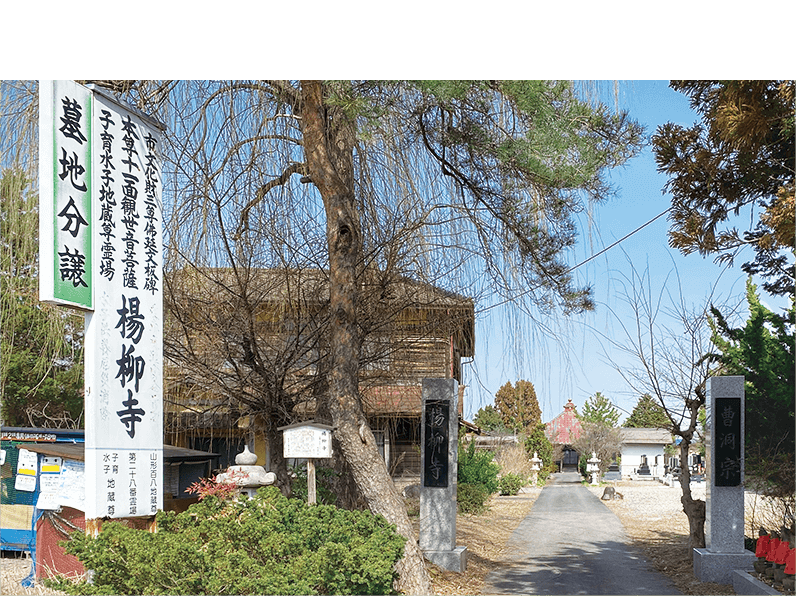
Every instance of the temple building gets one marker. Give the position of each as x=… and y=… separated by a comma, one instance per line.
x=563, y=431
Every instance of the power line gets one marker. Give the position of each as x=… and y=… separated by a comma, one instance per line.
x=606, y=249
x=591, y=258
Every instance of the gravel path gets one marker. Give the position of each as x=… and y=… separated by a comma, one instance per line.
x=653, y=502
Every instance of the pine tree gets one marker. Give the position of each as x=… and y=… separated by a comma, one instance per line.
x=489, y=419
x=762, y=350
x=647, y=414
x=599, y=410
x=740, y=154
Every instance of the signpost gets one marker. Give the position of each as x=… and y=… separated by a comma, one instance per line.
x=65, y=216
x=101, y=247
x=439, y=428
x=307, y=440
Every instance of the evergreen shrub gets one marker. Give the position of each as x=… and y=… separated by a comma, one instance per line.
x=472, y=498
x=477, y=467
x=510, y=484
x=265, y=545
x=477, y=478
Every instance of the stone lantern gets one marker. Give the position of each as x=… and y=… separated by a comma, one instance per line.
x=593, y=468
x=246, y=475
x=536, y=465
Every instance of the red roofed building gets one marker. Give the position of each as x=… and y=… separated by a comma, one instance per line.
x=562, y=431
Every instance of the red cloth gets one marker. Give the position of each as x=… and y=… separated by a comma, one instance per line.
x=790, y=562
x=772, y=550
x=761, y=550
x=782, y=553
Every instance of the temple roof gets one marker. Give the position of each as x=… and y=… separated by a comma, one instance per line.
x=564, y=428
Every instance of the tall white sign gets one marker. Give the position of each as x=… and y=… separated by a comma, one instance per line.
x=124, y=325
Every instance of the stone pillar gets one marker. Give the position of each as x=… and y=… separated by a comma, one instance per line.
x=439, y=432
x=724, y=508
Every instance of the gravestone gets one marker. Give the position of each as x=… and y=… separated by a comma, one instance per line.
x=439, y=434
x=724, y=508
x=613, y=472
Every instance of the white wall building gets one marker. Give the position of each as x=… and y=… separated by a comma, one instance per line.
x=642, y=452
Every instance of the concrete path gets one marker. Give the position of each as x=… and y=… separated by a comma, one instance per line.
x=571, y=543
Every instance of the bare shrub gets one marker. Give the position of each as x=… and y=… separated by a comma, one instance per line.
x=513, y=459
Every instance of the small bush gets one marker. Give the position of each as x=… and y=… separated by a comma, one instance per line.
x=472, y=498
x=477, y=467
x=323, y=479
x=265, y=545
x=510, y=484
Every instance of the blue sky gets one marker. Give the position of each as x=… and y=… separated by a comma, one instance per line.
x=580, y=369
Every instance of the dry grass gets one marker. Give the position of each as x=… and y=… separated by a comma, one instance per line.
x=513, y=459
x=12, y=571
x=485, y=550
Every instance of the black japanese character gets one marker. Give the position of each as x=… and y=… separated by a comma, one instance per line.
x=105, y=118
x=73, y=218
x=130, y=415
x=73, y=267
x=130, y=368
x=70, y=167
x=131, y=321
x=71, y=119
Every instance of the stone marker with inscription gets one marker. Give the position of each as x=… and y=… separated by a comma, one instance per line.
x=439, y=452
x=724, y=508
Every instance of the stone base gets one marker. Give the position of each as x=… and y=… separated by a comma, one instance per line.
x=743, y=583
x=452, y=560
x=719, y=567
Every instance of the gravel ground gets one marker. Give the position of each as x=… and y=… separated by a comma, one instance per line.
x=653, y=518
x=653, y=501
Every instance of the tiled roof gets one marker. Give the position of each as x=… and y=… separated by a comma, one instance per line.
x=564, y=428
x=397, y=399
x=645, y=435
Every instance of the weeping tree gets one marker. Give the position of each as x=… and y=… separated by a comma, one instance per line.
x=473, y=186
x=244, y=345
x=41, y=374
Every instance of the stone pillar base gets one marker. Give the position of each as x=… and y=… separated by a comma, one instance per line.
x=452, y=560
x=718, y=567
x=743, y=583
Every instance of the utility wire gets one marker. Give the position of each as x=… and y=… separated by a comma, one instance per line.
x=591, y=258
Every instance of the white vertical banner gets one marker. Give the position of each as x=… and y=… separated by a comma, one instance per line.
x=124, y=333
x=101, y=250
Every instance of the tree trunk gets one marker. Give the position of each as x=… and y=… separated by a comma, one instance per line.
x=328, y=147
x=278, y=462
x=694, y=509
